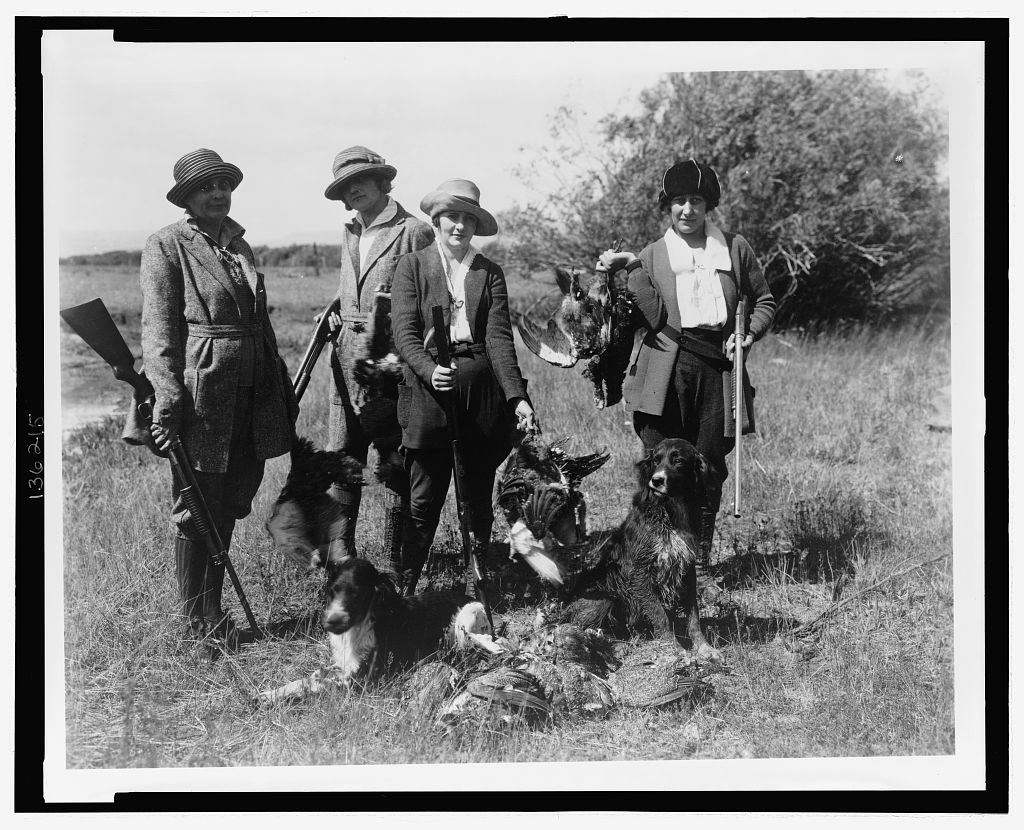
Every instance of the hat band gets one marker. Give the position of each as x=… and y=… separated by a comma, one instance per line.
x=358, y=160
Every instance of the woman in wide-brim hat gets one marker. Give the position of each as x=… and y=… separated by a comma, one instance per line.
x=219, y=383
x=687, y=286
x=484, y=382
x=362, y=412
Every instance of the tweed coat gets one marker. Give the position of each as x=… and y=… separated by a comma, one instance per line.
x=419, y=285
x=654, y=353
x=360, y=309
x=193, y=319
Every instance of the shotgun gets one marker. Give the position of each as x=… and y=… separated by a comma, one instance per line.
x=322, y=334
x=92, y=322
x=737, y=395
x=469, y=549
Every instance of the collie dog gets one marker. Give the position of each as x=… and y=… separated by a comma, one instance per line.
x=374, y=631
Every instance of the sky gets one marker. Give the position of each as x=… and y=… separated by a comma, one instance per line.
x=118, y=115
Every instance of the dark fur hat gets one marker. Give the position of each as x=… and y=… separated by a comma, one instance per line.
x=690, y=177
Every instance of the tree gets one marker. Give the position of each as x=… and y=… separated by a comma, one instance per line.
x=833, y=177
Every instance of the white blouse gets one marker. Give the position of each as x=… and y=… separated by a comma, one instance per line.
x=456, y=280
x=698, y=286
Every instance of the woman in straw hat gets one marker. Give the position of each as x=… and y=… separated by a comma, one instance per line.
x=220, y=384
x=484, y=380
x=381, y=232
x=687, y=286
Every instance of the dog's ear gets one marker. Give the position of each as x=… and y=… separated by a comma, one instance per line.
x=386, y=583
x=386, y=592
x=645, y=468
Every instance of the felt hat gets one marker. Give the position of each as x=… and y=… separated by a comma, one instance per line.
x=194, y=168
x=461, y=195
x=356, y=161
x=690, y=177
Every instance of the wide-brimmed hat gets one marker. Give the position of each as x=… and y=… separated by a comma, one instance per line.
x=356, y=161
x=192, y=169
x=461, y=195
x=690, y=177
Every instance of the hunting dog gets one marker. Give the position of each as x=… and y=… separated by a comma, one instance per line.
x=305, y=518
x=644, y=572
x=374, y=631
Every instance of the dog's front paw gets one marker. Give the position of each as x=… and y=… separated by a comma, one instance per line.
x=706, y=653
x=266, y=696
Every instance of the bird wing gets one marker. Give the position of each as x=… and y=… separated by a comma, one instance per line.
x=547, y=341
x=541, y=506
x=291, y=532
x=575, y=468
x=535, y=553
x=511, y=686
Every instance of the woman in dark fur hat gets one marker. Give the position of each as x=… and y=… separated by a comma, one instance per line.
x=687, y=286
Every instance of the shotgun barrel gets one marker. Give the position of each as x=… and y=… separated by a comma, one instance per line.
x=737, y=398
x=469, y=546
x=92, y=322
x=322, y=334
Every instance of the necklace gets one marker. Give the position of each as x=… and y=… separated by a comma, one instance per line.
x=453, y=303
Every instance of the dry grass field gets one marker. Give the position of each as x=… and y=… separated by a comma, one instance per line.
x=848, y=498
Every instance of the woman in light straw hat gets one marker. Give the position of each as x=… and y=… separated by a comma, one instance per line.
x=687, y=286
x=220, y=384
x=381, y=232
x=484, y=379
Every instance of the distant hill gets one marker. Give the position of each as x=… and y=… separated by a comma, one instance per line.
x=288, y=256
x=302, y=255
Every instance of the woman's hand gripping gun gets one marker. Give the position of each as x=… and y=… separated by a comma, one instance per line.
x=92, y=322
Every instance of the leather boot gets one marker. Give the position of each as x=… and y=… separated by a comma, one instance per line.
x=222, y=630
x=190, y=568
x=707, y=587
x=343, y=545
x=396, y=508
x=414, y=555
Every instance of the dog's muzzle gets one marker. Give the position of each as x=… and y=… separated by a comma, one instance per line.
x=658, y=483
x=335, y=620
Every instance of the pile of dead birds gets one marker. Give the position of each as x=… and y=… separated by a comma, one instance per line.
x=548, y=672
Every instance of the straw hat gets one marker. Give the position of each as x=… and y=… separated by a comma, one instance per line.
x=690, y=177
x=461, y=195
x=356, y=161
x=192, y=169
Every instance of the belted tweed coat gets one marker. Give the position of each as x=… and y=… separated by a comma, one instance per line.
x=419, y=286
x=361, y=311
x=654, y=353
x=194, y=368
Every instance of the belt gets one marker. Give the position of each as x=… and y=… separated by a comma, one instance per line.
x=223, y=332
x=462, y=350
x=701, y=348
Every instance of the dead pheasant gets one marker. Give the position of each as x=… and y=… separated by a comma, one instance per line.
x=545, y=509
x=595, y=325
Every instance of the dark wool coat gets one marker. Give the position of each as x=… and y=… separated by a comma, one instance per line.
x=419, y=285
x=654, y=353
x=358, y=306
x=193, y=319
